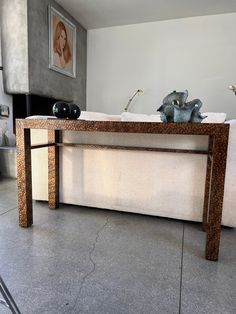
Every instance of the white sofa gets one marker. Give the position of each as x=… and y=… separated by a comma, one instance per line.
x=159, y=184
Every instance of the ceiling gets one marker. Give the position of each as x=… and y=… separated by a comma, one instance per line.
x=104, y=13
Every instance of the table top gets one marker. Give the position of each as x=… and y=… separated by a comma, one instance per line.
x=124, y=126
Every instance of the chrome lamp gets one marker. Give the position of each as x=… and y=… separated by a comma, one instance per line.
x=233, y=88
x=138, y=92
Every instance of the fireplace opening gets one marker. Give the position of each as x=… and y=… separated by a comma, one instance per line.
x=30, y=105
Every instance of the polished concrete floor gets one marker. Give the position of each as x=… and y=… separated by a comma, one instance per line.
x=86, y=260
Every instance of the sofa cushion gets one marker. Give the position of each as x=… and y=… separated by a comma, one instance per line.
x=214, y=117
x=128, y=116
x=98, y=116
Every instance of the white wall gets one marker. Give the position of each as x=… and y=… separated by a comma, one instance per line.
x=198, y=54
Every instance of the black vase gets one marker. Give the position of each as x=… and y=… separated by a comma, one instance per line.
x=74, y=112
x=60, y=109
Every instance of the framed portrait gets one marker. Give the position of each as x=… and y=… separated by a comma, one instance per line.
x=62, y=43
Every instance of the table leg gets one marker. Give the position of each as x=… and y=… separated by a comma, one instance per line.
x=207, y=184
x=216, y=195
x=53, y=170
x=24, y=177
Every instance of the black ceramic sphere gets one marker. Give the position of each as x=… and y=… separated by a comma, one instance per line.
x=60, y=109
x=74, y=112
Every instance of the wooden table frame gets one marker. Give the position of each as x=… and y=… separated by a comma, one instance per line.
x=215, y=175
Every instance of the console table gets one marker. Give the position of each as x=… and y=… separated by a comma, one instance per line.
x=215, y=174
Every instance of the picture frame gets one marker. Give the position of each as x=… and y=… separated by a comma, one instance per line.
x=62, y=43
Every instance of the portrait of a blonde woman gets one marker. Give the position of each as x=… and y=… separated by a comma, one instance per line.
x=62, y=54
x=62, y=43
